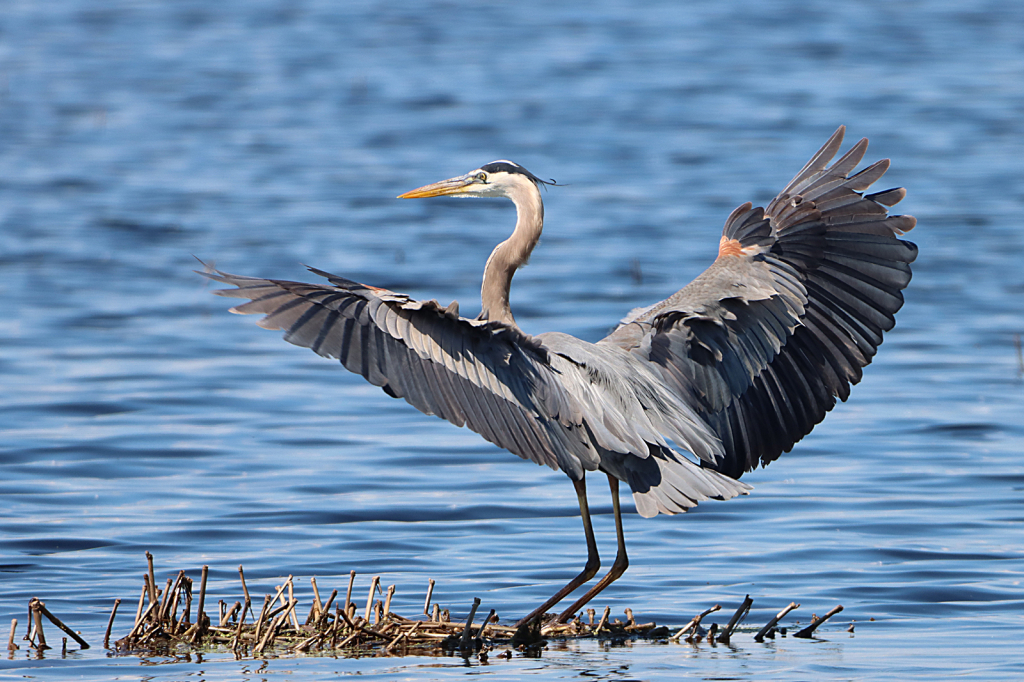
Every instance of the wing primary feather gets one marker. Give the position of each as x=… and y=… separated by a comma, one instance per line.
x=817, y=162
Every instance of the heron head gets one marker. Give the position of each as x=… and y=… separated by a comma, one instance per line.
x=495, y=179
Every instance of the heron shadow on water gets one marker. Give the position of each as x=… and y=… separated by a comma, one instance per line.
x=733, y=369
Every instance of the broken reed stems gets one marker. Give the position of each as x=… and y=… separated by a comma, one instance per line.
x=465, y=642
x=163, y=603
x=171, y=602
x=316, y=592
x=430, y=592
x=40, y=608
x=290, y=606
x=277, y=626
x=186, y=615
x=374, y=586
x=291, y=598
x=241, y=623
x=110, y=624
x=348, y=620
x=815, y=622
x=763, y=632
x=202, y=595
x=152, y=578
x=317, y=608
x=280, y=591
x=142, y=597
x=348, y=595
x=248, y=601
x=139, y=623
x=348, y=640
x=263, y=615
x=37, y=620
x=694, y=622
x=486, y=623
x=326, y=610
x=736, y=619
x=231, y=613
x=268, y=634
x=290, y=612
x=403, y=635
x=180, y=590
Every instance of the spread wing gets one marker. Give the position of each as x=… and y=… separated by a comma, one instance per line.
x=553, y=399
x=486, y=375
x=763, y=342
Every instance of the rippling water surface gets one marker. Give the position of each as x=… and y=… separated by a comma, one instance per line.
x=137, y=414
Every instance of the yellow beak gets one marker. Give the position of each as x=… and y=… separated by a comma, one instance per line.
x=440, y=189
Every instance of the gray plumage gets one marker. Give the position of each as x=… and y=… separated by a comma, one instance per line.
x=733, y=369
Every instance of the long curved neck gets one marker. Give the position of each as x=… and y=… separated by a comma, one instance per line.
x=512, y=253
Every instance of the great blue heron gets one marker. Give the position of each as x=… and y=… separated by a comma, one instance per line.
x=734, y=368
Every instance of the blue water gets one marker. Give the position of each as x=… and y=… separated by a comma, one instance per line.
x=137, y=414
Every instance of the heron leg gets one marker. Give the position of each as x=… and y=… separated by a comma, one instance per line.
x=618, y=567
x=593, y=560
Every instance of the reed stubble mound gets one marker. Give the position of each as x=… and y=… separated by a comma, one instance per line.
x=178, y=618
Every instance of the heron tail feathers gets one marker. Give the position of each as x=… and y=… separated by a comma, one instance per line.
x=669, y=483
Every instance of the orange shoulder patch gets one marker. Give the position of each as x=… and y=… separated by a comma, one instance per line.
x=729, y=247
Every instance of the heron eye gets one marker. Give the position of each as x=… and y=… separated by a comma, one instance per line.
x=482, y=177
